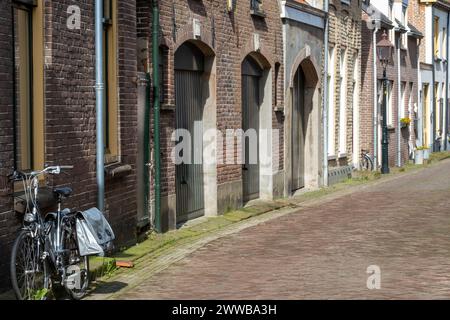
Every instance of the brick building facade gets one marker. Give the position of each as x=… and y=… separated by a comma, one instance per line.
x=64, y=108
x=402, y=73
x=343, y=86
x=223, y=37
x=303, y=28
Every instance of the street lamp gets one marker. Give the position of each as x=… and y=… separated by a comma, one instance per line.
x=384, y=52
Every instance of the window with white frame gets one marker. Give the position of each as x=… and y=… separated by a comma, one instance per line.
x=331, y=109
x=404, y=19
x=342, y=102
x=391, y=17
x=444, y=43
x=355, y=78
x=403, y=99
x=389, y=104
x=410, y=100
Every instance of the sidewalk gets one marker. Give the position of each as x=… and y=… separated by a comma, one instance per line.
x=161, y=251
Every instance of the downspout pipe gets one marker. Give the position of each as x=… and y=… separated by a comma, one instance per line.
x=446, y=114
x=419, y=114
x=399, y=103
x=375, y=97
x=156, y=111
x=433, y=98
x=99, y=105
x=325, y=96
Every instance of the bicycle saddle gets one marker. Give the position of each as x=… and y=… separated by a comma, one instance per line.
x=63, y=191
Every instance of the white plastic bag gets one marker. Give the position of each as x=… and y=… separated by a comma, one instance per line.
x=87, y=243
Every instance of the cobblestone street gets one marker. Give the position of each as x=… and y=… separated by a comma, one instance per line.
x=323, y=251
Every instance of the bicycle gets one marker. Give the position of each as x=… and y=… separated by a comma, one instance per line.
x=46, y=249
x=366, y=163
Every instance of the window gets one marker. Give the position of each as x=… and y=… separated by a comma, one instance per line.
x=436, y=37
x=331, y=109
x=404, y=19
x=444, y=43
x=438, y=101
x=403, y=99
x=110, y=81
x=256, y=8
x=389, y=105
x=28, y=92
x=342, y=102
x=355, y=78
x=391, y=18
x=410, y=100
x=275, y=92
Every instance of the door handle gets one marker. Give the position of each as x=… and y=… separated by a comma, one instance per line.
x=244, y=167
x=183, y=181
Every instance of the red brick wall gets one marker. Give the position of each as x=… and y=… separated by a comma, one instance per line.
x=408, y=71
x=230, y=37
x=69, y=105
x=345, y=32
x=8, y=221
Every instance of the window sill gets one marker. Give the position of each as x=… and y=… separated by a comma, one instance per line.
x=332, y=157
x=117, y=170
x=257, y=13
x=390, y=127
x=342, y=155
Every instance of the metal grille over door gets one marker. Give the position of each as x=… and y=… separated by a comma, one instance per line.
x=251, y=77
x=298, y=131
x=189, y=111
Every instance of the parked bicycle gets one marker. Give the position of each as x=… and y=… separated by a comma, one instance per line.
x=366, y=163
x=46, y=251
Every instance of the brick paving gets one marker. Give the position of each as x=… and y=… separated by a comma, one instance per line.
x=322, y=251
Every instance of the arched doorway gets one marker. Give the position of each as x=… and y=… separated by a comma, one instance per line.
x=303, y=122
x=298, y=131
x=189, y=100
x=251, y=103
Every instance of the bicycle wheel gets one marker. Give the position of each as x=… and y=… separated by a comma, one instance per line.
x=29, y=274
x=367, y=163
x=77, y=282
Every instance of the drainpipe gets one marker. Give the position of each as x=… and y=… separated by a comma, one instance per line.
x=375, y=98
x=99, y=99
x=147, y=164
x=445, y=115
x=399, y=104
x=156, y=110
x=419, y=114
x=325, y=97
x=433, y=98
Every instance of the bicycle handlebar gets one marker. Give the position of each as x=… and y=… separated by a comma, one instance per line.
x=19, y=175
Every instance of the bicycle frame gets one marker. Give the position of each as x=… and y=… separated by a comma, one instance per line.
x=38, y=227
